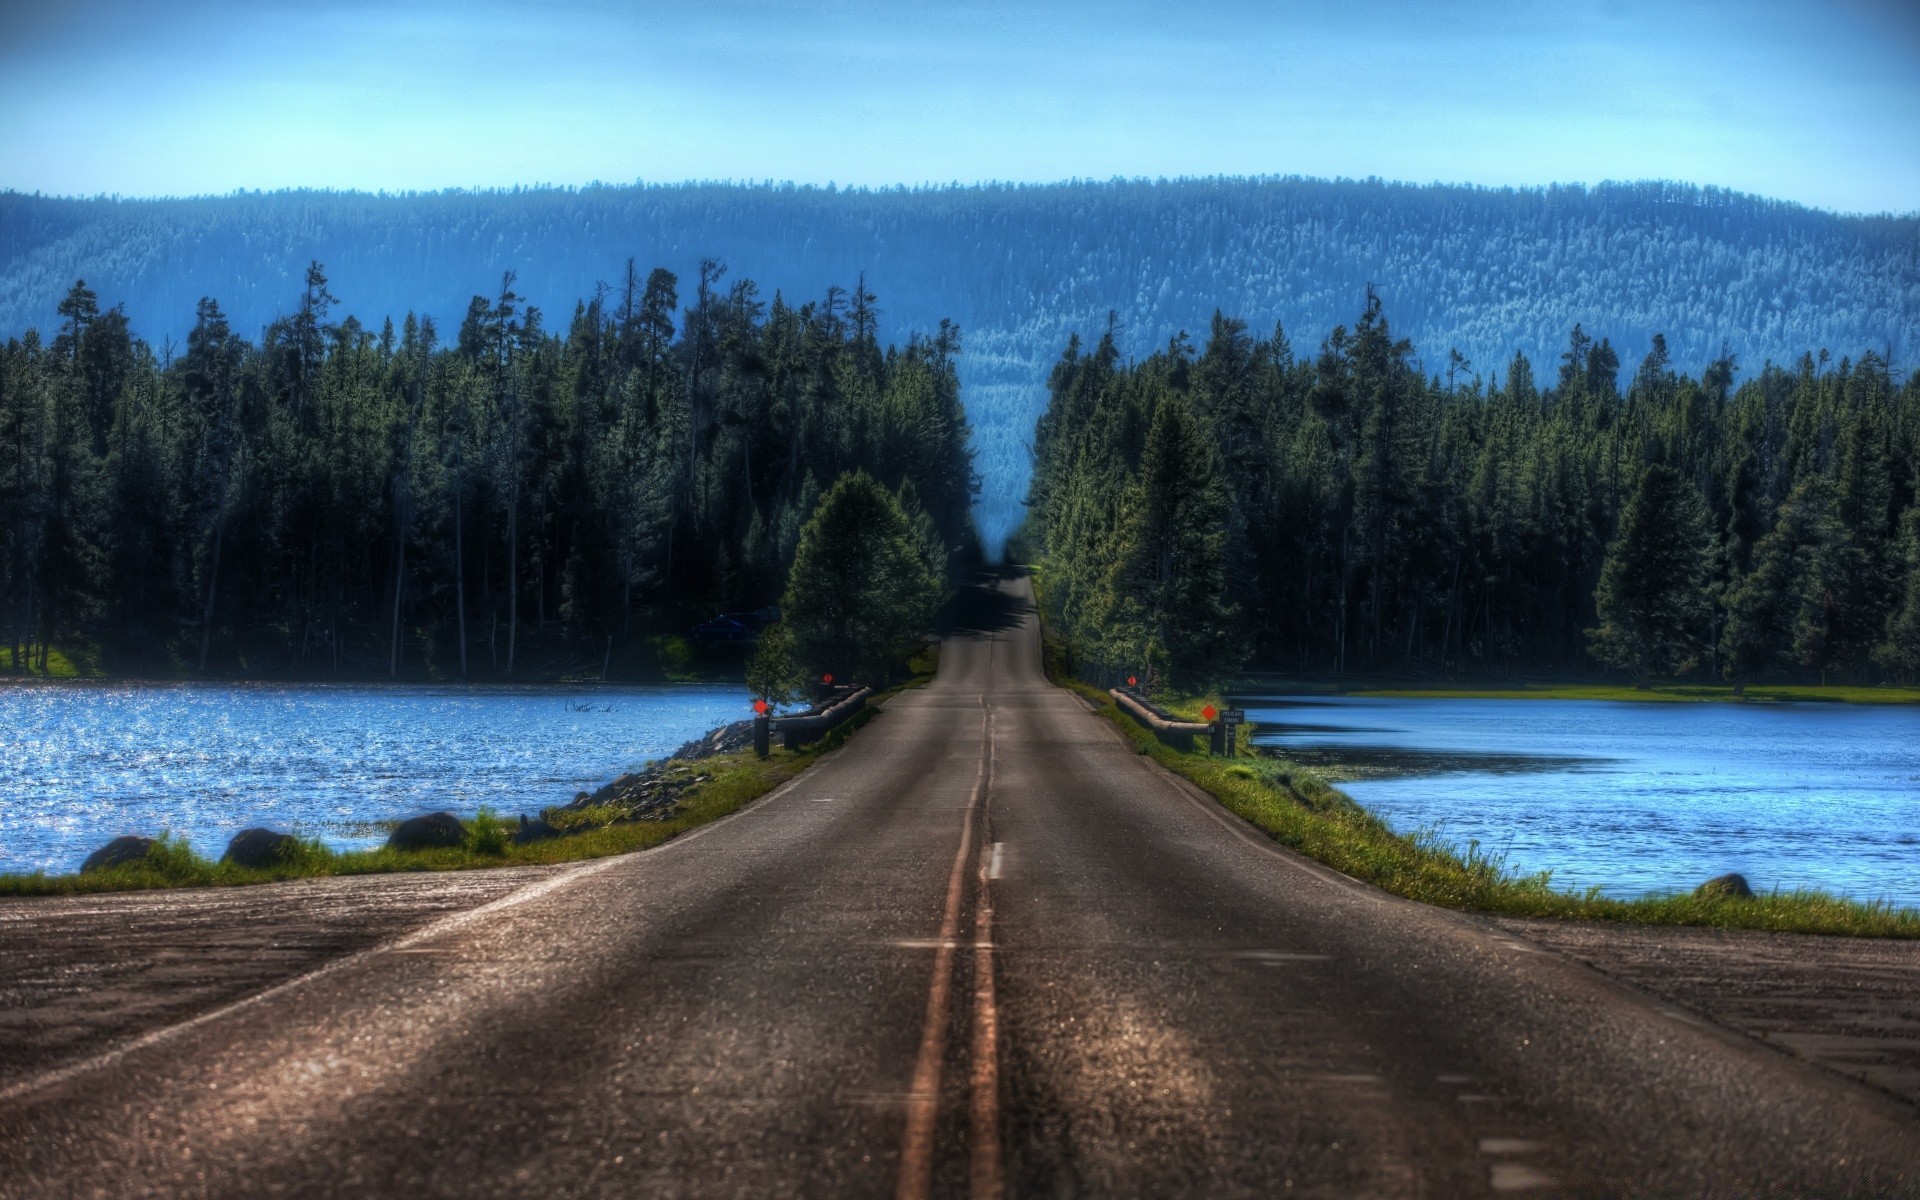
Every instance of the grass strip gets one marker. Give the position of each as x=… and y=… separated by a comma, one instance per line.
x=736, y=779
x=1299, y=809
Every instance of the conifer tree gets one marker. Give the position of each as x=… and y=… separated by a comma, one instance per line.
x=860, y=596
x=1900, y=652
x=1652, y=597
x=1169, y=572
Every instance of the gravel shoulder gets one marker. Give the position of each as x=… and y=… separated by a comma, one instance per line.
x=82, y=974
x=1851, y=1005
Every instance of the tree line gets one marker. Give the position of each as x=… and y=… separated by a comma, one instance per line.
x=1351, y=510
x=331, y=497
x=1489, y=270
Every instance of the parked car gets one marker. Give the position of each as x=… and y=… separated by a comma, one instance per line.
x=733, y=627
x=723, y=629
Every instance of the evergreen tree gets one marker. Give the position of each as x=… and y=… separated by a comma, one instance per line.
x=1652, y=596
x=860, y=596
x=1167, y=585
x=773, y=673
x=1900, y=652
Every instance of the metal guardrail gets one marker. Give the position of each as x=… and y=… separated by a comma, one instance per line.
x=796, y=732
x=1221, y=734
x=1178, y=734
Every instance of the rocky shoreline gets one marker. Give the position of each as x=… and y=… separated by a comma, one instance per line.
x=652, y=793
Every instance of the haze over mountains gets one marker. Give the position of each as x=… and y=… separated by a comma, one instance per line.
x=1490, y=272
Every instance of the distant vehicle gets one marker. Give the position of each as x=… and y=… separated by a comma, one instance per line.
x=735, y=626
x=722, y=630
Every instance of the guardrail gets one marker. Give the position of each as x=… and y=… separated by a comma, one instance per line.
x=1178, y=734
x=796, y=732
x=1220, y=734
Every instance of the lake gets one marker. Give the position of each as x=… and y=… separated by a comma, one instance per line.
x=81, y=763
x=1633, y=798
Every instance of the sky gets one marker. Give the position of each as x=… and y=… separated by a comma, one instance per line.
x=1815, y=101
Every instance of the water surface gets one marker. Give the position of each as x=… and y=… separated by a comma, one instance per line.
x=81, y=763
x=1633, y=798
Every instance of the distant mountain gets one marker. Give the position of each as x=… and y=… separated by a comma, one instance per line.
x=1021, y=267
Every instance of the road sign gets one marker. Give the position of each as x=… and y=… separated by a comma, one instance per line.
x=1132, y=681
x=1209, y=712
x=827, y=679
x=760, y=706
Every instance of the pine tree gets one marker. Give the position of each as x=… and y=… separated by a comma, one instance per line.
x=860, y=596
x=1169, y=574
x=1900, y=652
x=1652, y=594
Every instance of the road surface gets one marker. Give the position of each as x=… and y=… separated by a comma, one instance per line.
x=984, y=950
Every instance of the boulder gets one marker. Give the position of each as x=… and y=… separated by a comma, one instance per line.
x=533, y=831
x=117, y=853
x=259, y=849
x=433, y=831
x=613, y=793
x=1725, y=887
x=724, y=740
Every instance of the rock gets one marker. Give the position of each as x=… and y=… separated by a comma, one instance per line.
x=117, y=853
x=434, y=831
x=724, y=740
x=260, y=848
x=533, y=831
x=613, y=793
x=1724, y=887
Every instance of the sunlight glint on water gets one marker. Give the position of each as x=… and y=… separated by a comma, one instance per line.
x=83, y=763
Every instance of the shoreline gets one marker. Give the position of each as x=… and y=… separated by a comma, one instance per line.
x=1298, y=808
x=593, y=825
x=624, y=815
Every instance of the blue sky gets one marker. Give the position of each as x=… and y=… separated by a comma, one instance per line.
x=1816, y=101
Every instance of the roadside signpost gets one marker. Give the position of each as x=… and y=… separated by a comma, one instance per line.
x=1224, y=728
x=1230, y=722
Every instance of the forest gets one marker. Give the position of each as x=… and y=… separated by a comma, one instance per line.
x=1345, y=510
x=1486, y=271
x=519, y=498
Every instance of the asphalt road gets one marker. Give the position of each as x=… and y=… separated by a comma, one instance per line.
x=984, y=950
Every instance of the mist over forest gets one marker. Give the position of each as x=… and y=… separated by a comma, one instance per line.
x=1020, y=268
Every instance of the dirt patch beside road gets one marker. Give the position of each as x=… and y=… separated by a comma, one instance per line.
x=1851, y=1005
x=81, y=974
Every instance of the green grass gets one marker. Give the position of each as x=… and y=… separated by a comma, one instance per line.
x=61, y=664
x=1300, y=810
x=591, y=832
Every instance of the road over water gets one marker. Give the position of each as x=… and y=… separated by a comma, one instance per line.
x=985, y=950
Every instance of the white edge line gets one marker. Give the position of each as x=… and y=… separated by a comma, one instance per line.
x=446, y=924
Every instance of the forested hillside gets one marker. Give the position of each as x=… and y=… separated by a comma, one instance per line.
x=1487, y=272
x=1338, y=508
x=344, y=496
